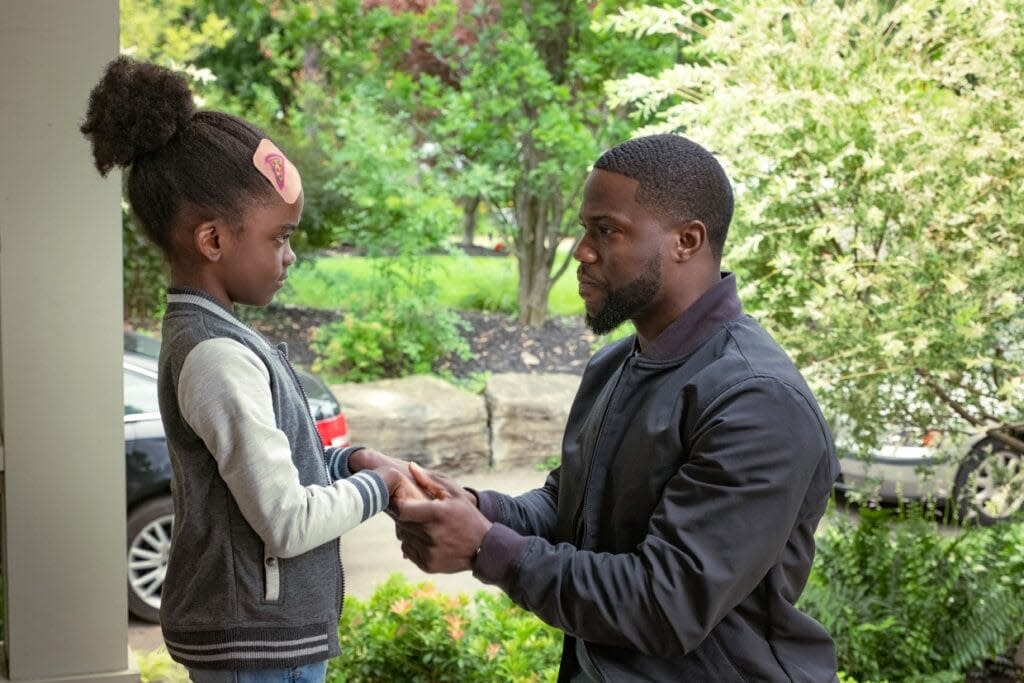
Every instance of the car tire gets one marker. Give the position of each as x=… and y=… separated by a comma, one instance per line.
x=989, y=485
x=149, y=543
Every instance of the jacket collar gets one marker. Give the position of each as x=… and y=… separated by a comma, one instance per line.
x=714, y=309
x=197, y=297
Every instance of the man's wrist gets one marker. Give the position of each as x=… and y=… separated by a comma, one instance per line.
x=501, y=551
x=480, y=545
x=473, y=495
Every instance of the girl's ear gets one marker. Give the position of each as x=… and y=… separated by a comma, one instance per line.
x=687, y=239
x=206, y=238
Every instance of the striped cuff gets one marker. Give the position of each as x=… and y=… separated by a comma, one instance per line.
x=337, y=461
x=373, y=491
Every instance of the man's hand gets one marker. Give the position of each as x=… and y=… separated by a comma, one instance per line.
x=437, y=485
x=400, y=485
x=443, y=534
x=408, y=489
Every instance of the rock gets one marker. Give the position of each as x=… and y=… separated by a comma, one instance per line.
x=528, y=414
x=529, y=359
x=418, y=418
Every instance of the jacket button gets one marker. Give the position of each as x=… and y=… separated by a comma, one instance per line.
x=271, y=561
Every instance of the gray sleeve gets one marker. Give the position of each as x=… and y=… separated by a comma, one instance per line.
x=224, y=395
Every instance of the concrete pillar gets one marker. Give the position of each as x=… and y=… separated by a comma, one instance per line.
x=63, y=521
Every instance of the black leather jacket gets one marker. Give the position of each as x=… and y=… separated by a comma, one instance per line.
x=678, y=532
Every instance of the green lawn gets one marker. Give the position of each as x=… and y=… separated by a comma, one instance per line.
x=464, y=283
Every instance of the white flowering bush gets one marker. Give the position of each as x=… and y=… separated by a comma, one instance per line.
x=878, y=157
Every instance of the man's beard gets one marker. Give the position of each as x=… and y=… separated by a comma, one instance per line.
x=627, y=302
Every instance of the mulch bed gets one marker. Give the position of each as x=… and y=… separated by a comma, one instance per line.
x=497, y=341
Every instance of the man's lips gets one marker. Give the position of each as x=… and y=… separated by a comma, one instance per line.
x=586, y=281
x=588, y=288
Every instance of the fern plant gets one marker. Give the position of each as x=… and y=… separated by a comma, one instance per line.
x=904, y=601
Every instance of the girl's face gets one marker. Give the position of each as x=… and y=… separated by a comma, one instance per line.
x=256, y=257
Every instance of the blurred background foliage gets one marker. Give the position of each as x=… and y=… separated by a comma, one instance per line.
x=875, y=148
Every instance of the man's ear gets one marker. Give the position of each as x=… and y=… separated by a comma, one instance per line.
x=688, y=238
x=207, y=239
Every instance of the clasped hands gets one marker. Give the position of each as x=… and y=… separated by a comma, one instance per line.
x=436, y=520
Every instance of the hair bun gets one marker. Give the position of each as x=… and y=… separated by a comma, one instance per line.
x=136, y=108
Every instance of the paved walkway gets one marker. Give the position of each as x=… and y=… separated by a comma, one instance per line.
x=371, y=553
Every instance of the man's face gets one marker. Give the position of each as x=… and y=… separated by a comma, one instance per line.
x=620, y=254
x=257, y=263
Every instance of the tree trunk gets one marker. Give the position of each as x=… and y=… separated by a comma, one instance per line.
x=311, y=73
x=539, y=223
x=534, y=287
x=469, y=208
x=539, y=206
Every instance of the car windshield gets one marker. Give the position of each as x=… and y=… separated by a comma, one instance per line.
x=141, y=344
x=140, y=394
x=314, y=388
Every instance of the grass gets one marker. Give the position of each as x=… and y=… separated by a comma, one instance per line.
x=464, y=282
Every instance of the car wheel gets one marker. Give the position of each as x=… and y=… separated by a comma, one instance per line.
x=149, y=546
x=989, y=483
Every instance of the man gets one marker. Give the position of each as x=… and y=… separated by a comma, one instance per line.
x=677, y=534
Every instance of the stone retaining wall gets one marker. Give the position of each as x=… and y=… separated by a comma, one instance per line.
x=517, y=422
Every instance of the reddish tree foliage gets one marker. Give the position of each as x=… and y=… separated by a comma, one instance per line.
x=421, y=59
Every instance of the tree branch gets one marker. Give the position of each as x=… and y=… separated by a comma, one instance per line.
x=953, y=404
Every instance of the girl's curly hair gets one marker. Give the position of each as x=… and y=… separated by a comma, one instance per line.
x=142, y=117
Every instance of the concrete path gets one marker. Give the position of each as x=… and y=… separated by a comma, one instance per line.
x=371, y=553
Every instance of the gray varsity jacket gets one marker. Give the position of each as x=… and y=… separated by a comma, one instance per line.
x=254, y=578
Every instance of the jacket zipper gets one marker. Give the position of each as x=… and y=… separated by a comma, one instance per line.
x=327, y=472
x=581, y=517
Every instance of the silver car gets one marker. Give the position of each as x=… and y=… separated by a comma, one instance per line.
x=983, y=481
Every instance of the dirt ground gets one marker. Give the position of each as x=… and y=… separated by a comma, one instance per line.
x=498, y=342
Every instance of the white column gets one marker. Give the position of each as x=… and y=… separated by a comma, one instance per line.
x=60, y=352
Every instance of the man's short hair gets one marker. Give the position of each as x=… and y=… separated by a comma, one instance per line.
x=678, y=179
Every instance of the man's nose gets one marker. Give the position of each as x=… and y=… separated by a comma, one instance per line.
x=584, y=252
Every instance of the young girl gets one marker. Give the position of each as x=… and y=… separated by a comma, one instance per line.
x=254, y=582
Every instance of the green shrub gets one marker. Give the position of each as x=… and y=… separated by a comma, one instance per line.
x=157, y=666
x=144, y=275
x=490, y=300
x=549, y=463
x=907, y=602
x=412, y=633
x=405, y=338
